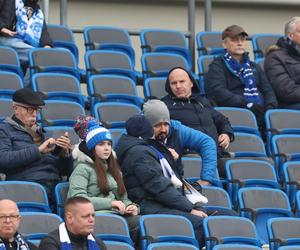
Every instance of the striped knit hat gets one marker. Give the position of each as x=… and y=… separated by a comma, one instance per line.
x=96, y=134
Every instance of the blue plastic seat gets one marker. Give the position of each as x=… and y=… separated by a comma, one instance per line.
x=155, y=86
x=61, y=192
x=209, y=43
x=9, y=61
x=261, y=42
x=291, y=179
x=9, y=83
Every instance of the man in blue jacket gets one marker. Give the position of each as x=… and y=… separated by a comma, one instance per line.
x=25, y=154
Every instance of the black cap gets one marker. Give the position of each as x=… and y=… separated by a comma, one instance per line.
x=28, y=97
x=139, y=126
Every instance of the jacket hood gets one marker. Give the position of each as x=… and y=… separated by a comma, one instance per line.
x=195, y=88
x=127, y=142
x=80, y=156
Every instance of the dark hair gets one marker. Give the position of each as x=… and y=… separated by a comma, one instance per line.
x=75, y=200
x=114, y=169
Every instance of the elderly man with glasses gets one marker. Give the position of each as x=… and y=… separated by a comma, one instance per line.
x=25, y=154
x=9, y=223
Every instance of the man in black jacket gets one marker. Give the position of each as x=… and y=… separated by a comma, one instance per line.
x=77, y=231
x=22, y=27
x=187, y=106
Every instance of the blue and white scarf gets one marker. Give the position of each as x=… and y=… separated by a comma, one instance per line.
x=167, y=170
x=66, y=243
x=244, y=72
x=22, y=245
x=29, y=31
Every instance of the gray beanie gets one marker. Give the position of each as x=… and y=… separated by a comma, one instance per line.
x=156, y=111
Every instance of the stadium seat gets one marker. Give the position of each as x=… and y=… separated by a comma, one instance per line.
x=61, y=192
x=291, y=179
x=9, y=83
x=29, y=196
x=155, y=87
x=209, y=43
x=112, y=227
x=171, y=246
x=116, y=134
x=163, y=40
x=260, y=204
x=6, y=109
x=9, y=61
x=235, y=247
x=260, y=62
x=203, y=63
x=229, y=230
x=298, y=204
x=57, y=131
x=166, y=228
x=261, y=42
x=116, y=245
x=283, y=232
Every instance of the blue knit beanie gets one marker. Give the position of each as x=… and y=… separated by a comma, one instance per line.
x=139, y=126
x=96, y=134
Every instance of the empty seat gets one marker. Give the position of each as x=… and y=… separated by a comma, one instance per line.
x=155, y=87
x=113, y=114
x=116, y=245
x=166, y=228
x=6, y=108
x=9, y=61
x=9, y=83
x=29, y=196
x=171, y=246
x=36, y=225
x=112, y=227
x=291, y=179
x=261, y=42
x=192, y=167
x=209, y=43
x=203, y=63
x=229, y=230
x=283, y=232
x=235, y=247
x=116, y=134
x=61, y=193
x=260, y=204
x=57, y=131
x=162, y=40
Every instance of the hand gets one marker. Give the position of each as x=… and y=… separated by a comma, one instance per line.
x=203, y=183
x=119, y=205
x=47, y=47
x=199, y=213
x=47, y=146
x=8, y=32
x=224, y=140
x=64, y=142
x=174, y=153
x=132, y=210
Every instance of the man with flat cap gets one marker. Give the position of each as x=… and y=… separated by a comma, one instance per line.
x=25, y=154
x=234, y=81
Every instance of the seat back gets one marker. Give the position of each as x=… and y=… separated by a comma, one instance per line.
x=9, y=83
x=253, y=204
x=6, y=108
x=261, y=43
x=155, y=86
x=283, y=231
x=9, y=61
x=36, y=225
x=203, y=63
x=291, y=179
x=158, y=64
x=116, y=245
x=229, y=229
x=209, y=42
x=61, y=193
x=57, y=131
x=112, y=227
x=235, y=247
x=192, y=167
x=167, y=228
x=217, y=197
x=61, y=113
x=171, y=246
x=247, y=173
x=241, y=120
x=58, y=86
x=115, y=114
x=29, y=196
x=116, y=134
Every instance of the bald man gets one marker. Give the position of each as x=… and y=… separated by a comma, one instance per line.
x=9, y=223
x=77, y=231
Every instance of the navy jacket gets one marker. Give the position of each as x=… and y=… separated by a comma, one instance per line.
x=8, y=20
x=144, y=179
x=196, y=112
x=282, y=67
x=226, y=89
x=21, y=160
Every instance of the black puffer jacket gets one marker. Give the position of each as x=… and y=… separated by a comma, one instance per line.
x=226, y=89
x=8, y=20
x=144, y=179
x=282, y=67
x=197, y=113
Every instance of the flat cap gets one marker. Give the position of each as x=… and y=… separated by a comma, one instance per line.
x=28, y=97
x=233, y=31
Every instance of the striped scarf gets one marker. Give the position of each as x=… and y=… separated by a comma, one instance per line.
x=29, y=31
x=244, y=72
x=22, y=245
x=66, y=243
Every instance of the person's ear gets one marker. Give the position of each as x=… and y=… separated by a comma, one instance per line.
x=290, y=35
x=224, y=44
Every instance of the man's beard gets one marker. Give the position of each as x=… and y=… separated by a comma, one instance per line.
x=161, y=137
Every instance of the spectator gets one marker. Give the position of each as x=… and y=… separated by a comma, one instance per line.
x=187, y=106
x=99, y=178
x=10, y=220
x=22, y=27
x=25, y=154
x=178, y=138
x=282, y=66
x=77, y=230
x=234, y=81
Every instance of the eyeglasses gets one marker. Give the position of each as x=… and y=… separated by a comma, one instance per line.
x=12, y=218
x=30, y=110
